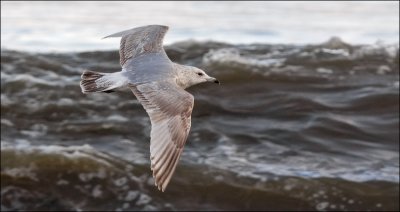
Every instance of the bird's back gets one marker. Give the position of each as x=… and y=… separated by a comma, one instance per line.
x=151, y=67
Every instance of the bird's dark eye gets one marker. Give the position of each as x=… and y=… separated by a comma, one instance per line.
x=200, y=74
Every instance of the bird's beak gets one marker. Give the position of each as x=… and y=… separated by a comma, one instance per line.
x=212, y=79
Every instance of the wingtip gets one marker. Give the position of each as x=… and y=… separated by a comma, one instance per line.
x=158, y=25
x=122, y=33
x=160, y=187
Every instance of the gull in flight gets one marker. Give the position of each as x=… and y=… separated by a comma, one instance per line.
x=159, y=84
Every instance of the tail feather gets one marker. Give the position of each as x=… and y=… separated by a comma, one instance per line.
x=99, y=82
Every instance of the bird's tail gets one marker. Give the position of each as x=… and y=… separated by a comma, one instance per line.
x=101, y=82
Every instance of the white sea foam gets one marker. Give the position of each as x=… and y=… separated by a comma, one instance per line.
x=117, y=118
x=232, y=57
x=86, y=151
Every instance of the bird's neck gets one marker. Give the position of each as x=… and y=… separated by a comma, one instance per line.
x=183, y=79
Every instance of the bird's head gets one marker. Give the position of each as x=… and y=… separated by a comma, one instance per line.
x=194, y=76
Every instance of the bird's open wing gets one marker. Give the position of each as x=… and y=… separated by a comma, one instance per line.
x=169, y=108
x=141, y=40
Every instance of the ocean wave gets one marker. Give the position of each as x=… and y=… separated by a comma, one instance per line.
x=84, y=179
x=309, y=126
x=74, y=171
x=328, y=60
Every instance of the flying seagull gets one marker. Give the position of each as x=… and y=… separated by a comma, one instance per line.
x=159, y=84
